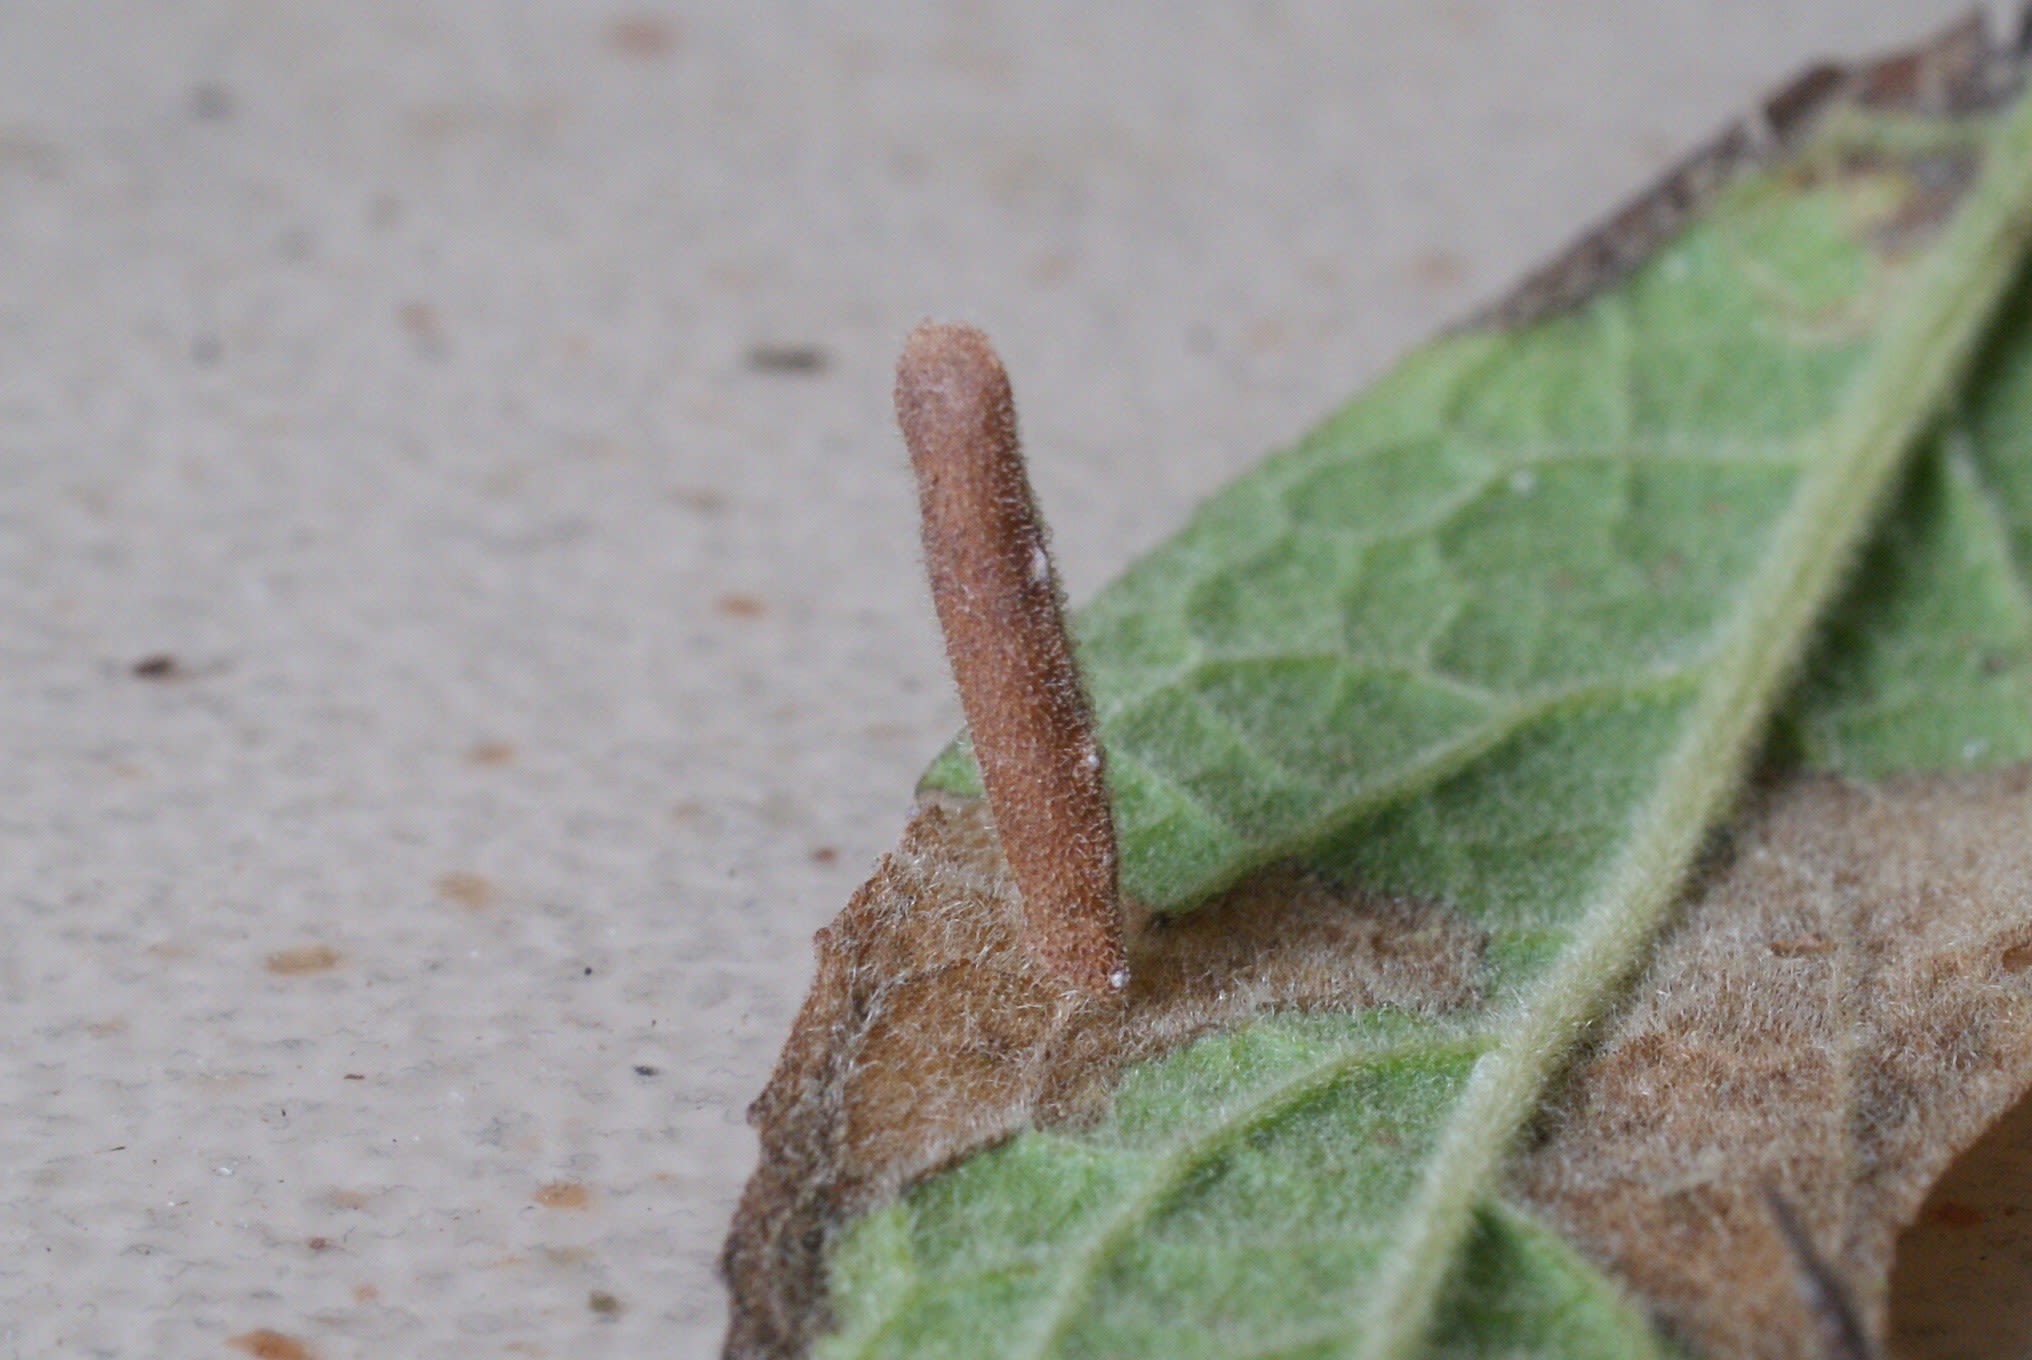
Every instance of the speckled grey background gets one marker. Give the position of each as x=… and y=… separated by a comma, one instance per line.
x=392, y=972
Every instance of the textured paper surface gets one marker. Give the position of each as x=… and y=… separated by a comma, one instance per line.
x=429, y=382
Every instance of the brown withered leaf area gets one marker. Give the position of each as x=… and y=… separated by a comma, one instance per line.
x=1844, y=1006
x=929, y=1033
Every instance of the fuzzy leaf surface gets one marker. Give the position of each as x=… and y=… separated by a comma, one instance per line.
x=1502, y=635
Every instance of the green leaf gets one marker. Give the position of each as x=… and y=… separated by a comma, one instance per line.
x=1309, y=1124
x=1927, y=663
x=1521, y=1291
x=1508, y=530
x=1504, y=633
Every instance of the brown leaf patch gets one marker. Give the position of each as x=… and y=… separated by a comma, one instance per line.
x=929, y=1033
x=1835, y=1015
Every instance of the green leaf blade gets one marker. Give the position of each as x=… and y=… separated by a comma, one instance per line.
x=1628, y=522
x=1522, y=1293
x=1095, y=1244
x=1393, y=574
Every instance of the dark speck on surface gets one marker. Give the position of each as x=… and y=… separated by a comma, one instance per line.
x=645, y=1070
x=157, y=666
x=642, y=37
x=796, y=360
x=211, y=103
x=424, y=327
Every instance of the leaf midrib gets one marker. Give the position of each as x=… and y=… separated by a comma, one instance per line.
x=1898, y=392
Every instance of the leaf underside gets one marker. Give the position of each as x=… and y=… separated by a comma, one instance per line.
x=1845, y=1002
x=1437, y=709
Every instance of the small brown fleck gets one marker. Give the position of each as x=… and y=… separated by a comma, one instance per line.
x=703, y=499
x=1438, y=269
x=563, y=1195
x=309, y=958
x=797, y=360
x=1054, y=266
x=265, y=1344
x=423, y=325
x=1266, y=335
x=356, y=1076
x=603, y=1303
x=474, y=892
x=1802, y=945
x=106, y=1029
x=490, y=753
x=158, y=666
x=318, y=1243
x=642, y=36
x=741, y=606
x=365, y=1293
x=825, y=854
